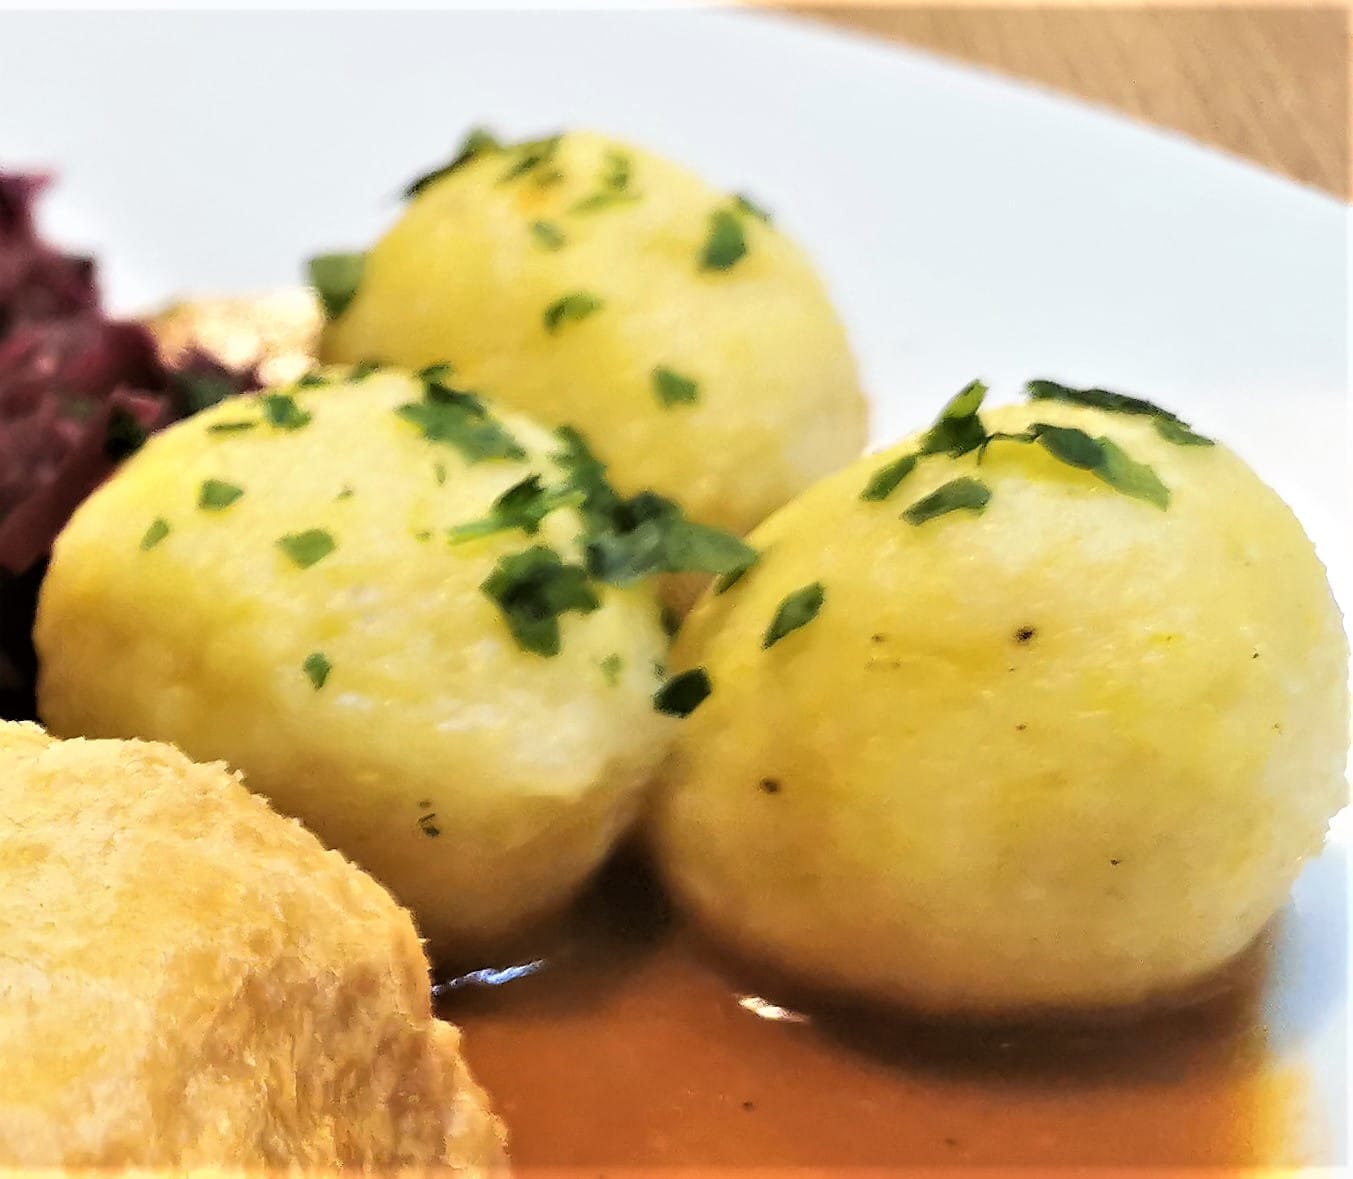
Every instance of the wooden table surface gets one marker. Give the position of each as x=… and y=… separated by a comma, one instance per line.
x=1267, y=84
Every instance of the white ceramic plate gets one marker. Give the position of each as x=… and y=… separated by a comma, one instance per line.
x=967, y=227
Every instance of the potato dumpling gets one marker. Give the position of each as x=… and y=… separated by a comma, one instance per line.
x=590, y=282
x=271, y=583
x=1058, y=736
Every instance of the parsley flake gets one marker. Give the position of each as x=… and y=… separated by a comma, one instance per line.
x=683, y=694
x=887, y=478
x=744, y=204
x=364, y=368
x=797, y=610
x=215, y=495
x=1103, y=458
x=570, y=308
x=671, y=388
x=548, y=235
x=125, y=434
x=533, y=589
x=523, y=505
x=1169, y=426
x=611, y=667
x=452, y=417
x=317, y=668
x=530, y=155
x=439, y=474
x=480, y=141
x=157, y=531
x=336, y=278
x=314, y=379
x=283, y=413
x=307, y=548
x=726, y=242
x=649, y=534
x=230, y=427
x=961, y=494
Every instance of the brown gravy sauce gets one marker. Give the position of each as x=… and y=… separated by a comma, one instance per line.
x=629, y=1048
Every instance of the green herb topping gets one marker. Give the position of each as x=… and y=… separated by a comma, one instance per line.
x=157, y=531
x=744, y=204
x=530, y=156
x=480, y=141
x=671, y=388
x=125, y=434
x=230, y=427
x=201, y=390
x=570, y=308
x=548, y=235
x=523, y=505
x=314, y=379
x=956, y=431
x=307, y=548
x=216, y=496
x=962, y=494
x=733, y=576
x=611, y=667
x=615, y=186
x=438, y=373
x=336, y=278
x=282, y=411
x=1169, y=426
x=363, y=369
x=683, y=694
x=533, y=589
x=316, y=668
x=798, y=609
x=725, y=244
x=649, y=534
x=452, y=417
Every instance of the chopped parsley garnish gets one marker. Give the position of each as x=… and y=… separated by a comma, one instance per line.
x=523, y=505
x=649, y=534
x=307, y=548
x=282, y=411
x=452, y=417
x=956, y=431
x=1168, y=425
x=798, y=609
x=744, y=204
x=671, y=388
x=336, y=278
x=615, y=183
x=125, y=435
x=314, y=379
x=480, y=141
x=530, y=156
x=317, y=668
x=364, y=368
x=157, y=531
x=438, y=373
x=439, y=473
x=216, y=496
x=726, y=242
x=202, y=390
x=611, y=667
x=887, y=478
x=961, y=494
x=548, y=235
x=576, y=305
x=683, y=694
x=533, y=589
x=733, y=576
x=230, y=427
x=1101, y=456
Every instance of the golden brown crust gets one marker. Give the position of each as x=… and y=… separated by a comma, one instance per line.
x=190, y=980
x=278, y=332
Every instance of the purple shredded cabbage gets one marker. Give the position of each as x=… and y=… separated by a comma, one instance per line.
x=78, y=393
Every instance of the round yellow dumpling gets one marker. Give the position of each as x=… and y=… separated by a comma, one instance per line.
x=273, y=583
x=1046, y=728
x=592, y=283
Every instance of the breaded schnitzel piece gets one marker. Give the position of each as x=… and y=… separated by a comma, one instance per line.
x=189, y=979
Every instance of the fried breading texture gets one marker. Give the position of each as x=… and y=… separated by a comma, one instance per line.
x=189, y=979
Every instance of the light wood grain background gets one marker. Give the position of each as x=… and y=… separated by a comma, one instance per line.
x=1268, y=84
